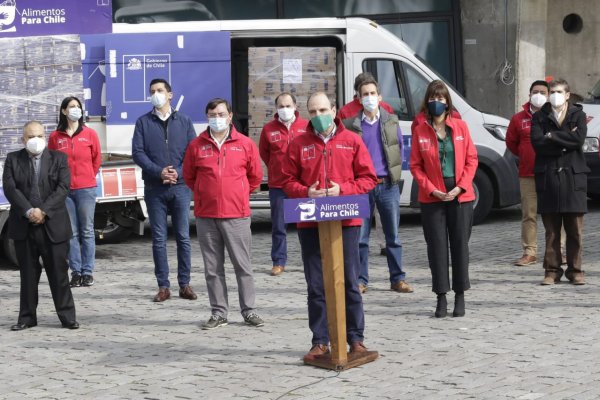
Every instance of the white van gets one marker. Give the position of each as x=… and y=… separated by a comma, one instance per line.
x=359, y=45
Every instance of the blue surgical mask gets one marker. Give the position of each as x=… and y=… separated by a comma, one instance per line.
x=218, y=124
x=436, y=108
x=158, y=99
x=321, y=123
x=74, y=114
x=370, y=103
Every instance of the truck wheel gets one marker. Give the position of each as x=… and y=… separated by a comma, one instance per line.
x=112, y=233
x=484, y=197
x=10, y=253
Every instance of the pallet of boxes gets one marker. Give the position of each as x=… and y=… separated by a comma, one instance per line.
x=298, y=70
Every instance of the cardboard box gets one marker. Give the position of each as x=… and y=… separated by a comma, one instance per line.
x=298, y=70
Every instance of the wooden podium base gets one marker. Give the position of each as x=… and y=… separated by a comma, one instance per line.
x=353, y=360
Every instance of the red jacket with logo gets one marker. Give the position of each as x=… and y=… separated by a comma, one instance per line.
x=344, y=159
x=273, y=145
x=84, y=155
x=425, y=163
x=352, y=109
x=222, y=179
x=518, y=140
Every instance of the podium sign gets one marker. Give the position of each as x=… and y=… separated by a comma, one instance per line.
x=332, y=208
x=329, y=212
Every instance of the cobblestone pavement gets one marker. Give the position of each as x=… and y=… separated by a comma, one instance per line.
x=519, y=340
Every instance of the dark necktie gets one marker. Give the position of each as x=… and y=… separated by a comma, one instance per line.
x=34, y=197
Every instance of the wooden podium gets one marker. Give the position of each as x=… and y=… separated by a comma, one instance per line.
x=332, y=260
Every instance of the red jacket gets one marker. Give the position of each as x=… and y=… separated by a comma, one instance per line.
x=425, y=160
x=518, y=140
x=222, y=180
x=344, y=160
x=84, y=155
x=273, y=145
x=352, y=109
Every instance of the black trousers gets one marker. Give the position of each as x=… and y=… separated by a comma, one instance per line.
x=445, y=222
x=54, y=257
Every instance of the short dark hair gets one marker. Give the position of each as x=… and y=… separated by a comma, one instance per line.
x=63, y=122
x=160, y=80
x=434, y=89
x=560, y=82
x=285, y=94
x=360, y=78
x=215, y=102
x=368, y=82
x=315, y=94
x=539, y=83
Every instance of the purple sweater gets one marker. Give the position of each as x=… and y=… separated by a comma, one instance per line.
x=371, y=135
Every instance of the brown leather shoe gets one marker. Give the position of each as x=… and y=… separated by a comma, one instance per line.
x=578, y=280
x=401, y=287
x=550, y=280
x=526, y=260
x=362, y=288
x=162, y=295
x=186, y=292
x=315, y=351
x=277, y=270
x=358, y=347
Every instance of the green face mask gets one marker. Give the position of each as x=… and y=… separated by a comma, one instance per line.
x=320, y=123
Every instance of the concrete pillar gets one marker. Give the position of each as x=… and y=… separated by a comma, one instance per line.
x=530, y=62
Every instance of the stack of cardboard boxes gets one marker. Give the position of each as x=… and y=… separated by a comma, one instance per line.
x=298, y=70
x=35, y=75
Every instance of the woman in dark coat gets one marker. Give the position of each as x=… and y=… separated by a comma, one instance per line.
x=558, y=131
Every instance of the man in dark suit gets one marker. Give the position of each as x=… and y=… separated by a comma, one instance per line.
x=39, y=224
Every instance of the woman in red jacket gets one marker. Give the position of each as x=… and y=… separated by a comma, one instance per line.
x=443, y=161
x=82, y=147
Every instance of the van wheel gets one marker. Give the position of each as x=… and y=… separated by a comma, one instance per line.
x=484, y=197
x=8, y=245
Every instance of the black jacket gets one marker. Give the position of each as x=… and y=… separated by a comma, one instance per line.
x=54, y=183
x=560, y=168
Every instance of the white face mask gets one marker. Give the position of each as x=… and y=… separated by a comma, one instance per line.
x=35, y=145
x=370, y=103
x=218, y=124
x=74, y=114
x=557, y=100
x=158, y=99
x=285, y=113
x=537, y=100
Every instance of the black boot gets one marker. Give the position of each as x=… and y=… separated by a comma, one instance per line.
x=459, y=304
x=441, y=310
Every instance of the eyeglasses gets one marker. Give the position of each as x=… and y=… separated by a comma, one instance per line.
x=219, y=115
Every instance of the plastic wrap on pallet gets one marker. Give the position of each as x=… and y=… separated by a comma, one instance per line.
x=35, y=75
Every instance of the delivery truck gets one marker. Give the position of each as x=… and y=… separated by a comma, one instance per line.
x=249, y=62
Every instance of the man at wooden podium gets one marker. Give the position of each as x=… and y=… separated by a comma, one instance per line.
x=329, y=161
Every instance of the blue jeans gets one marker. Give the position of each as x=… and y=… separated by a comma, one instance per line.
x=81, y=204
x=313, y=272
x=387, y=199
x=175, y=200
x=278, y=227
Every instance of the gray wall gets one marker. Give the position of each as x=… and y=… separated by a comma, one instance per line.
x=484, y=53
x=574, y=57
x=537, y=47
